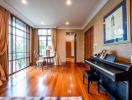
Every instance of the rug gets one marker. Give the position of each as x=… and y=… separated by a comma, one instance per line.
x=40, y=98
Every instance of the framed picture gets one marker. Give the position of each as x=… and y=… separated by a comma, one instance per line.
x=116, y=25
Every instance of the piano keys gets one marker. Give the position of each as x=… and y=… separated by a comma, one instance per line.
x=115, y=77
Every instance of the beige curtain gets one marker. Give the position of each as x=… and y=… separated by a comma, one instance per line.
x=31, y=45
x=54, y=44
x=4, y=20
x=2, y=74
x=35, y=45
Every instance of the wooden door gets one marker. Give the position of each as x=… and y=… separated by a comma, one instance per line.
x=75, y=52
x=88, y=43
x=68, y=49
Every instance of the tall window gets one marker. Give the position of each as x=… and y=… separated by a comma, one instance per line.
x=44, y=40
x=18, y=48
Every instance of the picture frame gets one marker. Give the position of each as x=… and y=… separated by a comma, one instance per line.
x=117, y=24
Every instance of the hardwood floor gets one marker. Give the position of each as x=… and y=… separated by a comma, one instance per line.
x=63, y=80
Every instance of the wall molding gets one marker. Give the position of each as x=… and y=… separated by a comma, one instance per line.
x=97, y=9
x=16, y=12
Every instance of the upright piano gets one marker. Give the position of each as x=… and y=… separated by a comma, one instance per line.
x=115, y=77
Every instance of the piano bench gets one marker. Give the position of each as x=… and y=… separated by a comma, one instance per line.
x=91, y=76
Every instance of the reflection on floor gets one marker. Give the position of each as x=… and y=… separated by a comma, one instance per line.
x=65, y=80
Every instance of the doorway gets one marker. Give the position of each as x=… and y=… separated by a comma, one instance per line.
x=70, y=47
x=88, y=43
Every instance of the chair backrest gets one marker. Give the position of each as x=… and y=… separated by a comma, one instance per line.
x=110, y=57
x=36, y=55
x=53, y=53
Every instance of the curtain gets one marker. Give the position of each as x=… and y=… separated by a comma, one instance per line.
x=2, y=74
x=31, y=45
x=54, y=44
x=4, y=20
x=35, y=45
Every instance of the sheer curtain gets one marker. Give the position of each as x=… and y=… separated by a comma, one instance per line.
x=4, y=20
x=54, y=44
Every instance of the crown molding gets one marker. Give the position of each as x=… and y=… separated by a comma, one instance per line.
x=44, y=26
x=92, y=15
x=71, y=28
x=16, y=12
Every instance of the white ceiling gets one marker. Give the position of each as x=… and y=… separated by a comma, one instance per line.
x=54, y=13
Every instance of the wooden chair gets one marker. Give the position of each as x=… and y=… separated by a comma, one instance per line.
x=39, y=61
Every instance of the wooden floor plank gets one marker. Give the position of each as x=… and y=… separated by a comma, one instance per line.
x=65, y=80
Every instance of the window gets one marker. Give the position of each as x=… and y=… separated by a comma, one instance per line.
x=44, y=40
x=18, y=47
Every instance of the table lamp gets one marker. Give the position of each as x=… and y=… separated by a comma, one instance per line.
x=49, y=47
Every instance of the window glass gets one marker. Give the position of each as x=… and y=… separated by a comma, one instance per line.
x=10, y=67
x=9, y=29
x=42, y=32
x=27, y=36
x=9, y=44
x=13, y=66
x=20, y=64
x=49, y=38
x=50, y=43
x=49, y=32
x=13, y=21
x=20, y=33
x=18, y=46
x=13, y=31
x=44, y=40
x=20, y=25
x=9, y=57
x=20, y=55
x=13, y=44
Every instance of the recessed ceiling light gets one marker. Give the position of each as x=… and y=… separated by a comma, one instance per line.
x=68, y=2
x=42, y=23
x=67, y=23
x=24, y=2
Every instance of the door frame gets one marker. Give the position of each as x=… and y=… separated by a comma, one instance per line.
x=75, y=45
x=91, y=32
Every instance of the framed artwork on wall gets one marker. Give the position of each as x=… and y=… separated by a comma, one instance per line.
x=116, y=25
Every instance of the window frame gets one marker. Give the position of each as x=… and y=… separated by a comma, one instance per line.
x=47, y=37
x=26, y=43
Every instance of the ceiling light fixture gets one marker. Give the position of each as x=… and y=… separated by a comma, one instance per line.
x=67, y=23
x=24, y=2
x=68, y=2
x=42, y=23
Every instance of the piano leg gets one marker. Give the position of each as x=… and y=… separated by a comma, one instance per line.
x=88, y=86
x=98, y=86
x=83, y=79
x=130, y=90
